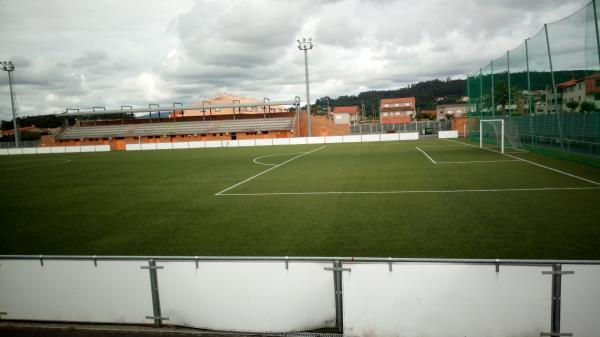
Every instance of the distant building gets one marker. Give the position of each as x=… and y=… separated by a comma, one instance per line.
x=454, y=110
x=345, y=115
x=397, y=110
x=25, y=129
x=222, y=99
x=431, y=114
x=585, y=89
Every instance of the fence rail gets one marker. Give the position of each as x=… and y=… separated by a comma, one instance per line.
x=416, y=126
x=358, y=296
x=23, y=143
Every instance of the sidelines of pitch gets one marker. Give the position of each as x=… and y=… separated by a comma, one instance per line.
x=537, y=189
x=516, y=159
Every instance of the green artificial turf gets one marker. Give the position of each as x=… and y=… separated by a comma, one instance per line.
x=164, y=203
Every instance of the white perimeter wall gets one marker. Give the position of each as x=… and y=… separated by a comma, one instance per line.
x=231, y=143
x=55, y=149
x=414, y=299
x=112, y=292
x=580, y=310
x=276, y=141
x=447, y=134
x=242, y=296
x=248, y=296
x=445, y=300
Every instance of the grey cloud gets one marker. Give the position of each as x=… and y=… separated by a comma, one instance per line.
x=240, y=33
x=88, y=53
x=90, y=58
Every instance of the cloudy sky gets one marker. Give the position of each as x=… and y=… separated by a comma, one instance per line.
x=84, y=53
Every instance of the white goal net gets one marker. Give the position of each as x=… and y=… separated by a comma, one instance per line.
x=499, y=135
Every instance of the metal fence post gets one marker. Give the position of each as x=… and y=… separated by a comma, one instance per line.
x=556, y=273
x=508, y=81
x=157, y=316
x=493, y=94
x=554, y=89
x=338, y=293
x=480, y=93
x=337, y=281
x=529, y=91
x=596, y=30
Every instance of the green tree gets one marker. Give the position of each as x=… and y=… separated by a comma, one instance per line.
x=587, y=106
x=572, y=105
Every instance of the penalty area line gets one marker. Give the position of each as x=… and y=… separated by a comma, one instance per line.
x=414, y=191
x=534, y=163
x=267, y=170
x=426, y=155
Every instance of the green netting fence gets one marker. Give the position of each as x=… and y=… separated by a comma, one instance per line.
x=547, y=89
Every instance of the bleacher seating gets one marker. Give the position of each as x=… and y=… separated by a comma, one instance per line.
x=178, y=128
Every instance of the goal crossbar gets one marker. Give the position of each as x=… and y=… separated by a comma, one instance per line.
x=501, y=132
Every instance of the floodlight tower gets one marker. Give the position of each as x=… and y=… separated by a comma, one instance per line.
x=10, y=67
x=306, y=45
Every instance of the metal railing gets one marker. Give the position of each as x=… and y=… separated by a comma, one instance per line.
x=339, y=265
x=23, y=143
x=417, y=126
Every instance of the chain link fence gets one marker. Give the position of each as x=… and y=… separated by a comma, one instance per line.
x=548, y=88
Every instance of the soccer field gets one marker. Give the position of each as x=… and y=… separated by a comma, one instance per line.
x=428, y=198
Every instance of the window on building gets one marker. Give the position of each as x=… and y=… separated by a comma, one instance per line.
x=598, y=83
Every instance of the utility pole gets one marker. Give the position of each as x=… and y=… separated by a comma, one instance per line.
x=362, y=113
x=10, y=67
x=306, y=45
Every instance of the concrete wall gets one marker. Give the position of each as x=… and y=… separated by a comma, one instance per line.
x=55, y=149
x=276, y=141
x=445, y=300
x=378, y=298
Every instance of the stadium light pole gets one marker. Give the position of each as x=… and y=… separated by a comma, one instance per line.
x=233, y=109
x=150, y=112
x=306, y=45
x=175, y=111
x=123, y=117
x=265, y=99
x=9, y=67
x=204, y=110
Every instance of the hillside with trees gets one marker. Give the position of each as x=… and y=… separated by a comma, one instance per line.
x=449, y=91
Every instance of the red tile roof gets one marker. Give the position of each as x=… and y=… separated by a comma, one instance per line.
x=398, y=100
x=569, y=83
x=346, y=109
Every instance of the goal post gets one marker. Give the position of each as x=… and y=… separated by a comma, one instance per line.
x=496, y=134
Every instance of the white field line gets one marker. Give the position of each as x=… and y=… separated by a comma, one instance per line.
x=536, y=164
x=434, y=146
x=426, y=155
x=476, y=161
x=415, y=191
x=255, y=160
x=269, y=169
x=48, y=162
x=461, y=162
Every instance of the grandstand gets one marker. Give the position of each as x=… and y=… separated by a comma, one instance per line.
x=119, y=131
x=206, y=129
